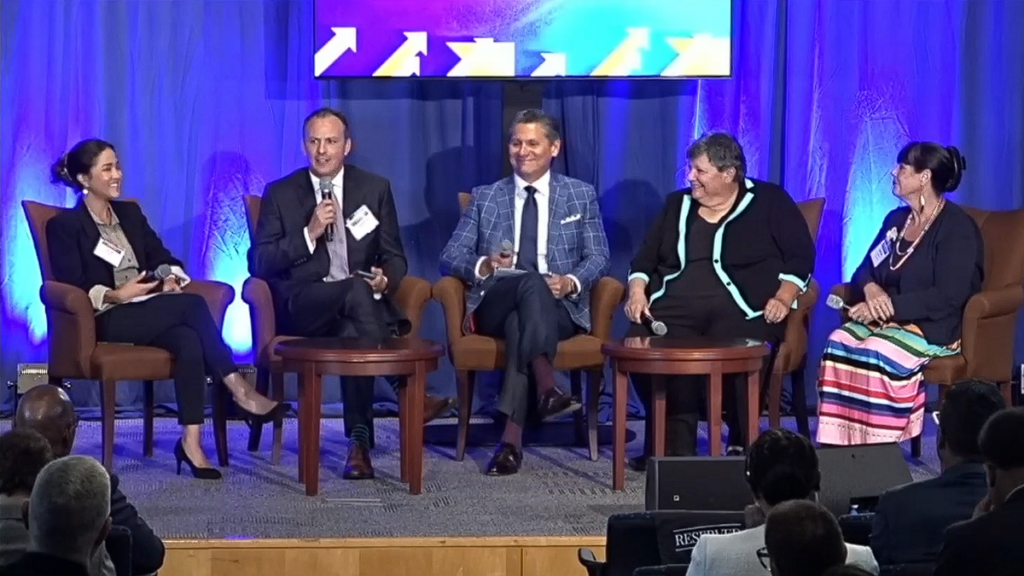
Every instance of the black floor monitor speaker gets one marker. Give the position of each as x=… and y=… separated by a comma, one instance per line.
x=859, y=472
x=848, y=473
x=697, y=483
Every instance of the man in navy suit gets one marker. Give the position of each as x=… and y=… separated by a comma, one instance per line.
x=531, y=247
x=319, y=228
x=910, y=520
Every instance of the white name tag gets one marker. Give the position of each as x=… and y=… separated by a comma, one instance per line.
x=881, y=252
x=109, y=253
x=361, y=223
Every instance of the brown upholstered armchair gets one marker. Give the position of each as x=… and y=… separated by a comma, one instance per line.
x=75, y=354
x=470, y=353
x=411, y=298
x=792, y=356
x=990, y=317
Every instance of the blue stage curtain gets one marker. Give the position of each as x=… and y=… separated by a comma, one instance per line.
x=204, y=100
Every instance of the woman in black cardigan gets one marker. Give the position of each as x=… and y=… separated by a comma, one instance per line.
x=725, y=258
x=912, y=287
x=106, y=248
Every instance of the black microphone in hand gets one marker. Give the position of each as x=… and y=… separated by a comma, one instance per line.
x=327, y=191
x=162, y=272
x=657, y=327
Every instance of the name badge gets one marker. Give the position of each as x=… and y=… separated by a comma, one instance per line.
x=109, y=253
x=361, y=223
x=881, y=252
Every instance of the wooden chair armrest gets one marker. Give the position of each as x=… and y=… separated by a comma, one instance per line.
x=604, y=300
x=411, y=298
x=71, y=324
x=256, y=293
x=218, y=296
x=451, y=293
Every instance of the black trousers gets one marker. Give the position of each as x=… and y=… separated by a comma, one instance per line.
x=686, y=396
x=344, y=309
x=181, y=324
x=522, y=311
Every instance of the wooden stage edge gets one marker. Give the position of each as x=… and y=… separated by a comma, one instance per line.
x=474, y=556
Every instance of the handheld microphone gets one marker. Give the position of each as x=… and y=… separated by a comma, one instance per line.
x=836, y=303
x=161, y=273
x=506, y=248
x=327, y=191
x=656, y=326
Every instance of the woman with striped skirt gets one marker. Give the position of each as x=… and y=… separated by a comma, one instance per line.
x=923, y=266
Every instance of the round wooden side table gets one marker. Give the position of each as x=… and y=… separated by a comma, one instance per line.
x=311, y=358
x=676, y=357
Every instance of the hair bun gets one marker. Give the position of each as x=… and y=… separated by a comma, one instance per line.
x=959, y=167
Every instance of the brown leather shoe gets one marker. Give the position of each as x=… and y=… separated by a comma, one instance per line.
x=555, y=403
x=434, y=406
x=506, y=460
x=357, y=465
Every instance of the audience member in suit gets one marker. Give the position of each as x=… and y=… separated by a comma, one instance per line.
x=68, y=518
x=311, y=249
x=726, y=258
x=548, y=227
x=48, y=410
x=910, y=520
x=781, y=467
x=106, y=247
x=990, y=543
x=801, y=538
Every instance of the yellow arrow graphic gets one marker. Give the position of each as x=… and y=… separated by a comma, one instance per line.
x=406, y=60
x=626, y=58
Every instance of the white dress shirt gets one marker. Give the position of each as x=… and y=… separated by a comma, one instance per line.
x=543, y=196
x=339, y=191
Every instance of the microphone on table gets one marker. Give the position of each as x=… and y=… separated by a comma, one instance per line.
x=656, y=326
x=327, y=191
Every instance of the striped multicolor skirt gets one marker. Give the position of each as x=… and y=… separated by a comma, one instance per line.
x=869, y=384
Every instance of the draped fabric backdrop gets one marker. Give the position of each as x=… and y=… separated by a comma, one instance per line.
x=204, y=101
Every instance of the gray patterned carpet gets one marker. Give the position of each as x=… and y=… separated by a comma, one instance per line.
x=559, y=492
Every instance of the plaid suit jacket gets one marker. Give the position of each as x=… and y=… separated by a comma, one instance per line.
x=576, y=240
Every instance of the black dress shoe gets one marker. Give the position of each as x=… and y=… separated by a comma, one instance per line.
x=637, y=463
x=506, y=460
x=357, y=465
x=434, y=407
x=554, y=403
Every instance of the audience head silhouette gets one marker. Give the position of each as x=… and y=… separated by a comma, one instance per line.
x=1002, y=446
x=782, y=466
x=23, y=453
x=964, y=411
x=68, y=514
x=48, y=410
x=802, y=538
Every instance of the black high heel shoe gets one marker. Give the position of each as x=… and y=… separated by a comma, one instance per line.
x=278, y=411
x=197, y=472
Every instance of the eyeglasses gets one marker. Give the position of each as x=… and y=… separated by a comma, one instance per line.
x=764, y=559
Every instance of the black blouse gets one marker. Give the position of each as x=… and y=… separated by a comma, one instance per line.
x=932, y=287
x=762, y=241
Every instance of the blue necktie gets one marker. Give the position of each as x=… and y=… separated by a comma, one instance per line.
x=528, y=233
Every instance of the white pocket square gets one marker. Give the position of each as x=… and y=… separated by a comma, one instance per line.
x=572, y=218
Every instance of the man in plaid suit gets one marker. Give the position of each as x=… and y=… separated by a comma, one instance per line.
x=531, y=247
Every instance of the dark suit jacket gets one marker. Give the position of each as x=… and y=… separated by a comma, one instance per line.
x=280, y=255
x=910, y=520
x=36, y=564
x=934, y=284
x=147, y=547
x=72, y=236
x=989, y=545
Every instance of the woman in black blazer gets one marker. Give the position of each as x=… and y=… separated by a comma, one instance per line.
x=726, y=258
x=106, y=248
x=909, y=295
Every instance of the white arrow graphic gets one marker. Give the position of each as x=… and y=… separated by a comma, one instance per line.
x=554, y=64
x=344, y=39
x=484, y=57
x=405, y=61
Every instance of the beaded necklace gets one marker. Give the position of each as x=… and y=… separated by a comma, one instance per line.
x=896, y=246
